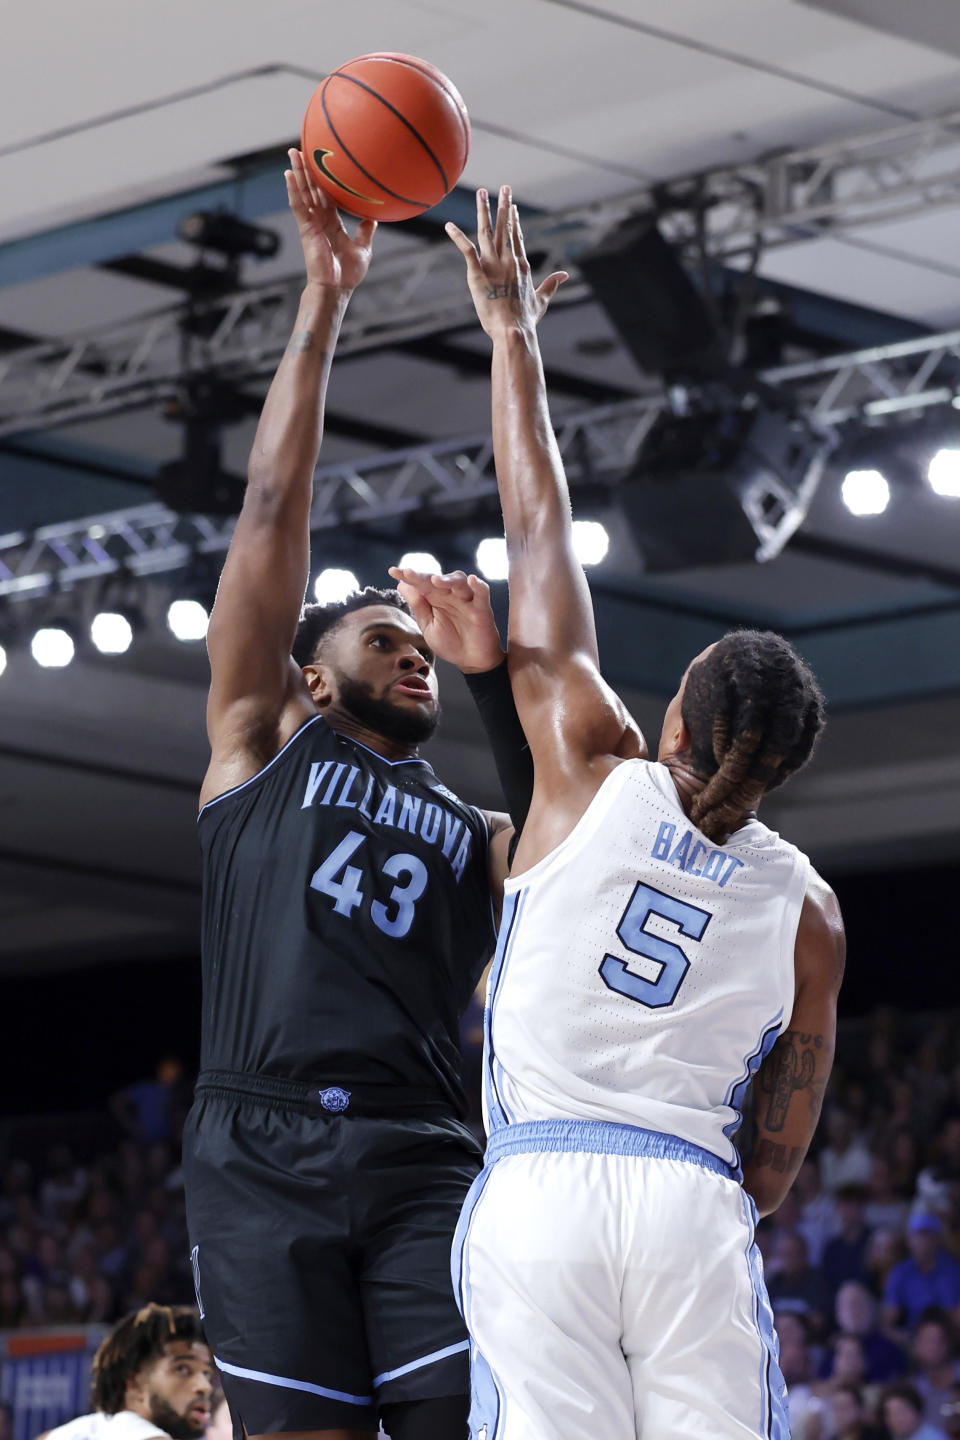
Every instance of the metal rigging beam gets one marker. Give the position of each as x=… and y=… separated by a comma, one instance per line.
x=419, y=291
x=883, y=384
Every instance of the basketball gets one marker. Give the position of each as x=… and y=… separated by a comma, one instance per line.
x=386, y=136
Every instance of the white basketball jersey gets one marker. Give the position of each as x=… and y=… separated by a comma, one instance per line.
x=642, y=973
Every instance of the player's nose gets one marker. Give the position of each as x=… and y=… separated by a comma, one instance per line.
x=412, y=660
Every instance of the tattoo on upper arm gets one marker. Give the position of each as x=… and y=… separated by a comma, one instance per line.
x=792, y=1066
x=300, y=341
x=768, y=1155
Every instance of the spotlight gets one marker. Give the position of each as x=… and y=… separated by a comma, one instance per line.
x=943, y=473
x=421, y=560
x=188, y=619
x=492, y=558
x=332, y=586
x=52, y=647
x=3, y=659
x=590, y=541
x=865, y=492
x=111, y=632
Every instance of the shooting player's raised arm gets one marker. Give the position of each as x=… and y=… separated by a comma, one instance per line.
x=257, y=694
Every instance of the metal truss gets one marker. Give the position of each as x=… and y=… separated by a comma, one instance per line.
x=879, y=386
x=420, y=290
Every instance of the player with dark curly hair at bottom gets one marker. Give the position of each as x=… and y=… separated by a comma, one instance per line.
x=152, y=1376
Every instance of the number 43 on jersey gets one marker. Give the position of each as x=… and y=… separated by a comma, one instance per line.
x=342, y=881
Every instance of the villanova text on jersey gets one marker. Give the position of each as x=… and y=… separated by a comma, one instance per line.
x=346, y=920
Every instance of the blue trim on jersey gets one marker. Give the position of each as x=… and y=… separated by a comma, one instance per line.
x=735, y=1095
x=487, y=1400
x=235, y=789
x=407, y=760
x=775, y=1410
x=599, y=1137
x=288, y=1384
x=419, y=1364
x=497, y=1111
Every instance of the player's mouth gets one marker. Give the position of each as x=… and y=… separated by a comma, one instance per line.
x=200, y=1415
x=413, y=685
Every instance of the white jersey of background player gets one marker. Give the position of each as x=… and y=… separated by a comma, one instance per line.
x=657, y=940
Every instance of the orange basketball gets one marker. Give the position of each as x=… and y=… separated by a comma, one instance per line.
x=386, y=136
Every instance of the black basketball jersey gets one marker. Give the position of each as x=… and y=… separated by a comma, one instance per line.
x=346, y=919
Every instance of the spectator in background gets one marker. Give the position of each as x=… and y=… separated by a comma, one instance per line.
x=796, y=1364
x=847, y=1359
x=933, y=1351
x=844, y=1256
x=849, y=1413
x=856, y=1314
x=904, y=1163
x=885, y=1209
x=152, y=1376
x=795, y=1286
x=903, y=1415
x=819, y=1220
x=148, y=1109
x=65, y=1185
x=937, y=1182
x=6, y=1421
x=13, y=1306
x=950, y=1414
x=928, y=1277
x=845, y=1159
x=884, y=1253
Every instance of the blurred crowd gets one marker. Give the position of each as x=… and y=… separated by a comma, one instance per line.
x=86, y=1242
x=862, y=1260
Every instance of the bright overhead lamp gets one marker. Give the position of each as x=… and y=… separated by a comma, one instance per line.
x=111, y=632
x=188, y=619
x=492, y=558
x=865, y=492
x=943, y=473
x=421, y=560
x=332, y=586
x=590, y=541
x=52, y=647
x=3, y=659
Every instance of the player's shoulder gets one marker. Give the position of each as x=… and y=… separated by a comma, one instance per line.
x=821, y=943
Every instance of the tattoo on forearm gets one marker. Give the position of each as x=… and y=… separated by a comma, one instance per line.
x=300, y=341
x=510, y=291
x=768, y=1155
x=792, y=1066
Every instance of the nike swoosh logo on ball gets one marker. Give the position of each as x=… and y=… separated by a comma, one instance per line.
x=320, y=160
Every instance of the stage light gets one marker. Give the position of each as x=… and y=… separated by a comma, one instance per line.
x=492, y=558
x=332, y=586
x=865, y=492
x=943, y=473
x=590, y=541
x=52, y=647
x=111, y=632
x=188, y=619
x=421, y=560
x=3, y=659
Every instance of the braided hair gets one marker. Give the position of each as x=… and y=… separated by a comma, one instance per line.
x=138, y=1338
x=753, y=711
x=317, y=620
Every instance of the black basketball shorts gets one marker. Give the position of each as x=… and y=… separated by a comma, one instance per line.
x=321, y=1255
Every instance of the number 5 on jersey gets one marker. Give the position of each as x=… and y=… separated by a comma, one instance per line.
x=690, y=920
x=346, y=893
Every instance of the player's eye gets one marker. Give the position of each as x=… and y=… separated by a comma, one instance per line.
x=379, y=640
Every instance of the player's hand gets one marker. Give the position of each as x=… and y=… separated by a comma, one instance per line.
x=454, y=614
x=333, y=257
x=498, y=271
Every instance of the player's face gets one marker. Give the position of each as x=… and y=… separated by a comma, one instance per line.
x=382, y=671
x=178, y=1386
x=673, y=720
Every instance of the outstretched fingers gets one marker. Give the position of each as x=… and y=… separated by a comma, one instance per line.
x=464, y=244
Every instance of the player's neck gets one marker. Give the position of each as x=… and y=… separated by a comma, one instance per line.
x=348, y=725
x=689, y=784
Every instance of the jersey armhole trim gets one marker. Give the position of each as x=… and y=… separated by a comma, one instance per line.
x=235, y=789
x=587, y=823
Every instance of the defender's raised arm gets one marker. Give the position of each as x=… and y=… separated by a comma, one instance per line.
x=257, y=694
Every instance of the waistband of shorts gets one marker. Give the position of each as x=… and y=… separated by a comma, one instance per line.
x=319, y=1098
x=599, y=1137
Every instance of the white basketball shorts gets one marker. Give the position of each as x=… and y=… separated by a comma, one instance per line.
x=612, y=1289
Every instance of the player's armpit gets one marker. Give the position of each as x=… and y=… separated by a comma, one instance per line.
x=790, y=1085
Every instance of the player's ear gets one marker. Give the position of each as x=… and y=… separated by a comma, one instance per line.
x=319, y=682
x=679, y=738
